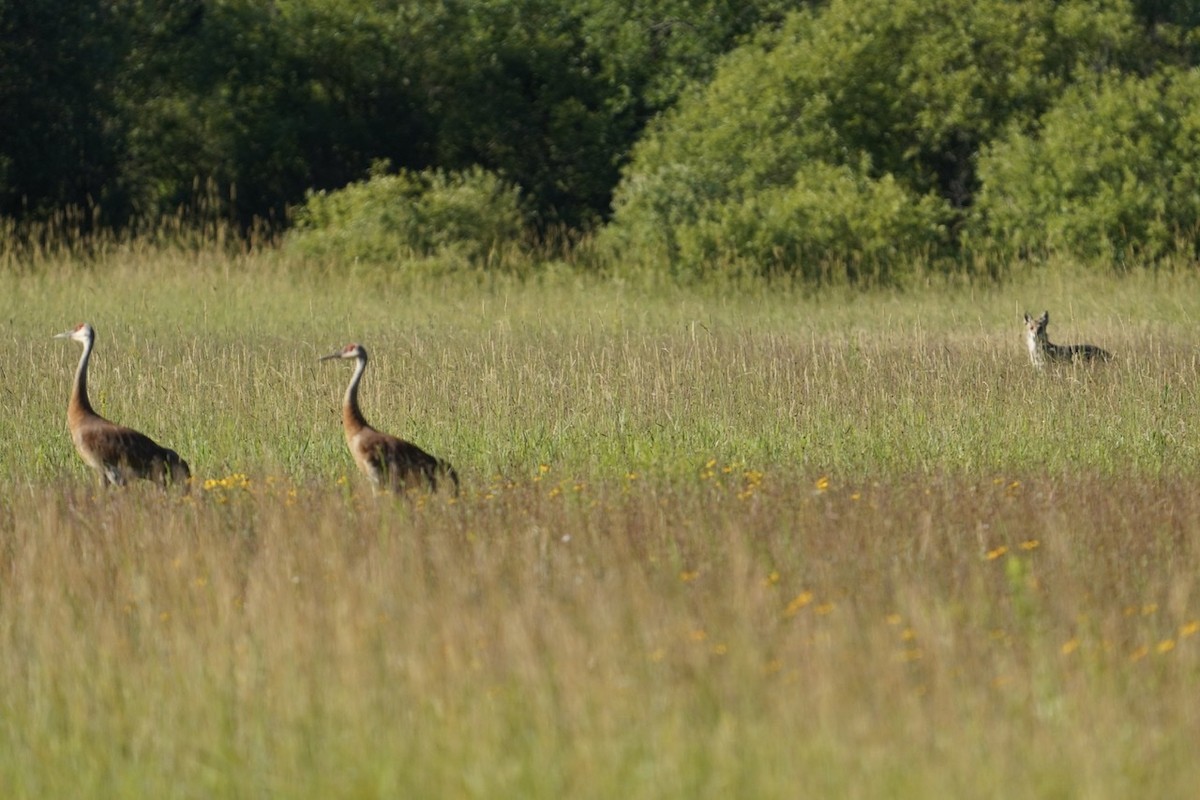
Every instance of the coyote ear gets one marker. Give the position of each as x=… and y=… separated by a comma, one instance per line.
x=1045, y=316
x=1027, y=317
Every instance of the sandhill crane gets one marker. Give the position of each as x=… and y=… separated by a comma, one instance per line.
x=391, y=464
x=116, y=453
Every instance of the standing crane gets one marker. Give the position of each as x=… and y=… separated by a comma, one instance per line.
x=391, y=464
x=116, y=453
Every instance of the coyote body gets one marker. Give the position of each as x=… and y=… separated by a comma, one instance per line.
x=1041, y=349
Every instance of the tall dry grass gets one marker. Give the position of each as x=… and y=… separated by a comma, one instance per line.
x=733, y=635
x=760, y=545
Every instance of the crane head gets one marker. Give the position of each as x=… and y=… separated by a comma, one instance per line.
x=349, y=351
x=82, y=333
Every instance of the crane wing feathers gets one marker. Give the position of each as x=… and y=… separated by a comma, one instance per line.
x=388, y=452
x=395, y=462
x=119, y=445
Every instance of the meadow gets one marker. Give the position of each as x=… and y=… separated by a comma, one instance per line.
x=740, y=541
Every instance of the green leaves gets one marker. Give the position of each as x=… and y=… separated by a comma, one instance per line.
x=1112, y=174
x=851, y=135
x=826, y=221
x=769, y=135
x=453, y=218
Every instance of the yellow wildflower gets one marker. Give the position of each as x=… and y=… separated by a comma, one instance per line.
x=798, y=602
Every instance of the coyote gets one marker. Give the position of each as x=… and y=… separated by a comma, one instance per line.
x=1042, y=350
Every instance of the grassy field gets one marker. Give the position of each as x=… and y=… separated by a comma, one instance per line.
x=711, y=543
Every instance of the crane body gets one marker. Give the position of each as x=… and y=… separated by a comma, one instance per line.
x=116, y=452
x=390, y=463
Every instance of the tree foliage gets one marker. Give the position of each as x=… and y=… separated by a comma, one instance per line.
x=763, y=134
x=1113, y=172
x=264, y=101
x=149, y=107
x=896, y=96
x=455, y=218
x=59, y=63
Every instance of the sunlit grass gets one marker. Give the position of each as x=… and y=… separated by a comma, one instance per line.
x=757, y=545
x=538, y=643
x=218, y=360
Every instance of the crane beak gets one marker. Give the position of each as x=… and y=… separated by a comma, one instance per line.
x=331, y=355
x=63, y=335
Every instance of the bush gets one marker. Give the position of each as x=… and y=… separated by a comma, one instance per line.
x=1114, y=173
x=456, y=218
x=860, y=121
x=829, y=220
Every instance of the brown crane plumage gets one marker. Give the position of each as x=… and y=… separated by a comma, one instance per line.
x=391, y=464
x=116, y=453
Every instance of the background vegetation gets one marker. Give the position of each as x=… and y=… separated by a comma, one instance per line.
x=843, y=138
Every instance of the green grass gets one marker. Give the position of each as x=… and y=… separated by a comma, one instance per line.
x=711, y=543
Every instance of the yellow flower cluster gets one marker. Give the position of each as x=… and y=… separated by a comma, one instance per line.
x=237, y=480
x=1163, y=646
x=1002, y=550
x=221, y=489
x=910, y=647
x=798, y=602
x=753, y=480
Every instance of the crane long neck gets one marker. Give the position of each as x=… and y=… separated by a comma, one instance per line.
x=80, y=406
x=352, y=417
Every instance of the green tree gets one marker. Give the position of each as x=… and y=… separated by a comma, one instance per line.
x=1183, y=14
x=259, y=102
x=59, y=141
x=1113, y=172
x=652, y=51
x=237, y=107
x=892, y=90
x=553, y=94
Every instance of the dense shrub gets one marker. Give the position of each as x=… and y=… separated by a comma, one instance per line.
x=1113, y=174
x=828, y=220
x=895, y=97
x=455, y=218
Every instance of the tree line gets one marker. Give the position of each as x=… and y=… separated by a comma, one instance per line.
x=696, y=134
